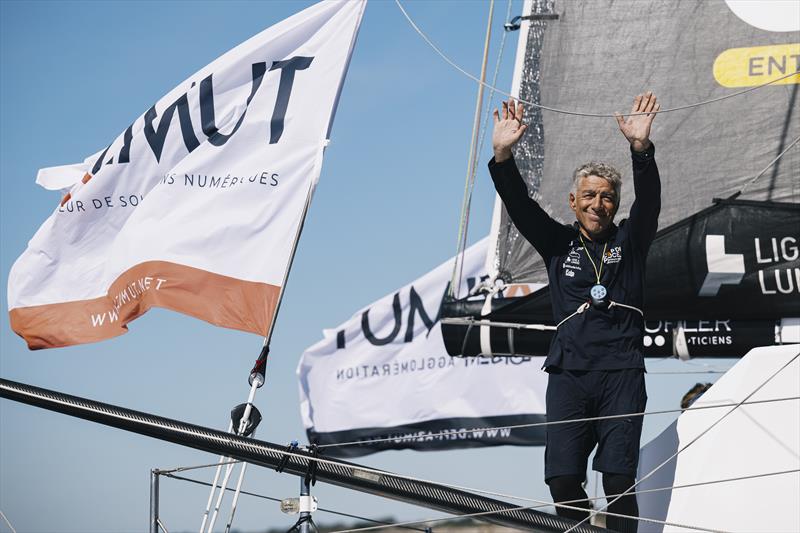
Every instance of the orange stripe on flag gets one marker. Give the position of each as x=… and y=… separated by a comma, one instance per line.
x=221, y=300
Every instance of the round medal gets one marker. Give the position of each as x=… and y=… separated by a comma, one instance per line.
x=598, y=294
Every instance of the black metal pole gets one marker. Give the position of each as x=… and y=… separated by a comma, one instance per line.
x=350, y=475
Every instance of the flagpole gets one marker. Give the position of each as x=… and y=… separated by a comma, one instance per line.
x=261, y=362
x=257, y=376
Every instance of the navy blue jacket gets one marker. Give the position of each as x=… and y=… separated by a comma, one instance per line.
x=607, y=339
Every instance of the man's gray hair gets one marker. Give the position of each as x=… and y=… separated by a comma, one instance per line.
x=601, y=170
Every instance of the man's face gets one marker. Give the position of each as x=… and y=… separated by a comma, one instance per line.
x=595, y=205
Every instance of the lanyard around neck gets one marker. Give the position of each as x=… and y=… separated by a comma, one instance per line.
x=597, y=272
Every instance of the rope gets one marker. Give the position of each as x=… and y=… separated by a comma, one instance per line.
x=581, y=308
x=576, y=113
x=557, y=422
x=538, y=327
x=562, y=504
x=709, y=428
x=270, y=498
x=746, y=185
x=625, y=306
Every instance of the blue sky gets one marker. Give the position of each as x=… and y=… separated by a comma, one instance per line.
x=73, y=75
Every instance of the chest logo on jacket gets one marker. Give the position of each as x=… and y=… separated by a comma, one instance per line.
x=613, y=255
x=572, y=262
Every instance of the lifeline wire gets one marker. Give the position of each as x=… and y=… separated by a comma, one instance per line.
x=577, y=113
x=476, y=490
x=521, y=508
x=270, y=498
x=169, y=473
x=557, y=422
x=709, y=428
x=562, y=504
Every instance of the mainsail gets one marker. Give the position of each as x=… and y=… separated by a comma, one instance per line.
x=723, y=274
x=196, y=206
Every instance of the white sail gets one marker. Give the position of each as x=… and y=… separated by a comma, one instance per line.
x=758, y=442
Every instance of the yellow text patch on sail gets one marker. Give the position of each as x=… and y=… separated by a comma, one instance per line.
x=755, y=65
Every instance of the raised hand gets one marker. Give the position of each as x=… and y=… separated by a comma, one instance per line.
x=636, y=128
x=507, y=130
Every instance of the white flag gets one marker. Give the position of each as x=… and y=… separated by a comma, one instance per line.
x=196, y=205
x=390, y=357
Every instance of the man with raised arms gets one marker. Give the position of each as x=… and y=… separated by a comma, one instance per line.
x=596, y=275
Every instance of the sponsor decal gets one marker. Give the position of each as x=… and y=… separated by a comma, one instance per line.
x=572, y=262
x=421, y=364
x=756, y=65
x=774, y=251
x=703, y=332
x=613, y=255
x=771, y=255
x=722, y=267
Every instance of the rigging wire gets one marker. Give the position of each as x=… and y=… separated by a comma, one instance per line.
x=577, y=113
x=3, y=516
x=558, y=422
x=270, y=498
x=469, y=186
x=746, y=185
x=472, y=159
x=545, y=504
x=682, y=448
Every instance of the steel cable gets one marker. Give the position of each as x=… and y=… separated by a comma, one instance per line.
x=558, y=422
